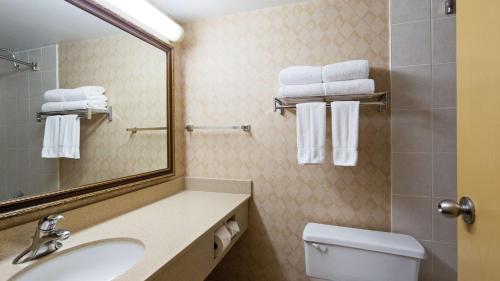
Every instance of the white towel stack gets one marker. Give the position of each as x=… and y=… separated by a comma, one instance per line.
x=75, y=99
x=344, y=78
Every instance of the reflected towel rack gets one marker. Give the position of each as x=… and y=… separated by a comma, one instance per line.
x=135, y=129
x=380, y=99
x=245, y=128
x=82, y=113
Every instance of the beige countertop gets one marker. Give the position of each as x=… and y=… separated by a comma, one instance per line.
x=166, y=227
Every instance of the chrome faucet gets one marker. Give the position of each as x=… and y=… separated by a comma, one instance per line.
x=46, y=240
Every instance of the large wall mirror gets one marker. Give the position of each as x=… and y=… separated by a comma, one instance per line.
x=75, y=80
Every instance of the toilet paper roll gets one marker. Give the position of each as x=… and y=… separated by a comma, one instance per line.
x=233, y=227
x=222, y=240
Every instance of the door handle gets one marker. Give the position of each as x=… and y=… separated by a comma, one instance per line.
x=464, y=208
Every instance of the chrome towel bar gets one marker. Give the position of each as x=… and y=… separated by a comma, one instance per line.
x=135, y=129
x=245, y=128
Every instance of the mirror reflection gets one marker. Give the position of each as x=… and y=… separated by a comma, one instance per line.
x=70, y=87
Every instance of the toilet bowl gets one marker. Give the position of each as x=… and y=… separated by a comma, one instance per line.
x=347, y=254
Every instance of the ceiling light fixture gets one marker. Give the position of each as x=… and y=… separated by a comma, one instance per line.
x=145, y=15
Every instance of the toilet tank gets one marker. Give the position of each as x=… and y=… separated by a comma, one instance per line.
x=348, y=254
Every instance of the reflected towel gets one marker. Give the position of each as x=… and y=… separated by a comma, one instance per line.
x=73, y=105
x=311, y=131
x=300, y=75
x=78, y=94
x=51, y=137
x=345, y=127
x=69, y=137
x=348, y=70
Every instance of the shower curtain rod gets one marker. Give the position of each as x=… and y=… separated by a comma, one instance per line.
x=32, y=65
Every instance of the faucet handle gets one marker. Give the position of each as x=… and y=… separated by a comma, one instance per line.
x=49, y=223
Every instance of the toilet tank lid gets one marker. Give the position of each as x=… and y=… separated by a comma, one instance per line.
x=385, y=242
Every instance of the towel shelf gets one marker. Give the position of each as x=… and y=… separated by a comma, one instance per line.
x=245, y=128
x=380, y=99
x=82, y=113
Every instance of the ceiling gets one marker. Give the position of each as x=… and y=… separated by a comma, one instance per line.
x=29, y=24
x=191, y=10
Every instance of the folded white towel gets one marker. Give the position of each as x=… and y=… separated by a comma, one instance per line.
x=351, y=87
x=69, y=137
x=78, y=94
x=311, y=131
x=310, y=90
x=51, y=137
x=348, y=70
x=300, y=75
x=73, y=105
x=345, y=127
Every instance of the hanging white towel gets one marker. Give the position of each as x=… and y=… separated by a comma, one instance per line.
x=51, y=137
x=345, y=130
x=348, y=70
x=311, y=131
x=297, y=91
x=300, y=75
x=351, y=87
x=69, y=137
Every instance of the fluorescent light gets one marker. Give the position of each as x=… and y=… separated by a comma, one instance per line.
x=146, y=16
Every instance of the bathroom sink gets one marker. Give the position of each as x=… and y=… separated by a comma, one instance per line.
x=96, y=261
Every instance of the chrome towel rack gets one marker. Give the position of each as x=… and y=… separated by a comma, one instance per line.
x=245, y=128
x=82, y=113
x=134, y=130
x=380, y=99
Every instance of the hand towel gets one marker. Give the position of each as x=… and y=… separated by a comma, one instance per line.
x=51, y=137
x=310, y=90
x=69, y=137
x=311, y=131
x=351, y=87
x=345, y=127
x=73, y=105
x=300, y=75
x=78, y=94
x=348, y=70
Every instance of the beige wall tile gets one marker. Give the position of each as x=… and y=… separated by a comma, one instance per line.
x=230, y=69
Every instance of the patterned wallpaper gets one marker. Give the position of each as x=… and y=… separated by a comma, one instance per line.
x=133, y=73
x=229, y=74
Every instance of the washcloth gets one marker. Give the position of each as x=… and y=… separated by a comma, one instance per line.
x=300, y=75
x=310, y=90
x=78, y=94
x=311, y=131
x=345, y=127
x=69, y=136
x=51, y=137
x=351, y=87
x=348, y=70
x=73, y=105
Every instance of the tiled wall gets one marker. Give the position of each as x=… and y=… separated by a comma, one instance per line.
x=229, y=74
x=424, y=129
x=21, y=166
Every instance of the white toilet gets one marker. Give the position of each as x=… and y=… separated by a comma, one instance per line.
x=347, y=254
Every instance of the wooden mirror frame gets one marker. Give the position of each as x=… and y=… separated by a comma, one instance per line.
x=33, y=203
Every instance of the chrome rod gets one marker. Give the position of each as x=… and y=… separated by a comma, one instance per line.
x=32, y=65
x=135, y=129
x=82, y=113
x=328, y=105
x=245, y=128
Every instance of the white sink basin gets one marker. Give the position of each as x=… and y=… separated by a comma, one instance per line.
x=96, y=261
